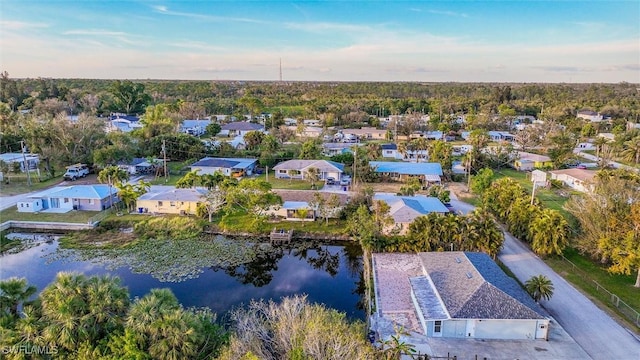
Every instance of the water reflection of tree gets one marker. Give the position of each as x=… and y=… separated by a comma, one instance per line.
x=323, y=259
x=259, y=271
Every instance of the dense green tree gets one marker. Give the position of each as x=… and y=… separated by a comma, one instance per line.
x=213, y=129
x=481, y=181
x=548, y=233
x=253, y=139
x=129, y=97
x=13, y=292
x=310, y=150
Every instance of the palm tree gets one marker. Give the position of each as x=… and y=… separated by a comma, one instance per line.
x=211, y=180
x=483, y=233
x=189, y=180
x=312, y=175
x=373, y=151
x=631, y=150
x=14, y=291
x=402, y=149
x=599, y=142
x=539, y=287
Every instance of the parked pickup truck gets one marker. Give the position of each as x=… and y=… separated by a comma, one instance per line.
x=76, y=171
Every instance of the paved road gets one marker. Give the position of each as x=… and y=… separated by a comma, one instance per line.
x=597, y=159
x=595, y=331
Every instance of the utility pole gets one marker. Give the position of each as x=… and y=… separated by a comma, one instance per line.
x=26, y=165
x=164, y=154
x=533, y=192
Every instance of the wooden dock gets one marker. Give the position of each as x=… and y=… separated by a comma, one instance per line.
x=280, y=236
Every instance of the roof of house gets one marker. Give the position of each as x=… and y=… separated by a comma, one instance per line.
x=580, y=174
x=532, y=157
x=175, y=194
x=242, y=126
x=389, y=147
x=587, y=112
x=307, y=195
x=133, y=162
x=97, y=191
x=295, y=205
x=124, y=117
x=232, y=163
x=450, y=285
x=407, y=168
x=187, y=124
x=301, y=165
x=404, y=209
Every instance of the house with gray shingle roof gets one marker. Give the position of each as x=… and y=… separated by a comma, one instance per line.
x=240, y=128
x=455, y=295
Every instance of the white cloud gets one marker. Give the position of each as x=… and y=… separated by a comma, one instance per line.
x=95, y=33
x=448, y=13
x=20, y=25
x=205, y=17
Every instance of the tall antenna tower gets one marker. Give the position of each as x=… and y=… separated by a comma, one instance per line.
x=280, y=69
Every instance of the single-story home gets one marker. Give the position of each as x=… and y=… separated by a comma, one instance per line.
x=366, y=133
x=137, y=166
x=453, y=294
x=528, y=161
x=240, y=128
x=171, y=200
x=295, y=200
x=62, y=199
x=338, y=148
x=390, y=151
x=501, y=136
x=312, y=122
x=427, y=172
x=234, y=167
x=195, y=127
x=590, y=115
x=307, y=131
x=31, y=160
x=577, y=179
x=405, y=209
x=295, y=169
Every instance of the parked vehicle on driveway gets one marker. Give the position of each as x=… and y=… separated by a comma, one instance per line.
x=76, y=171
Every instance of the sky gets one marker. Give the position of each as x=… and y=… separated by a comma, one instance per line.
x=426, y=41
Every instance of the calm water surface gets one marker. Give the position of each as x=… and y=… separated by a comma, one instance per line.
x=328, y=274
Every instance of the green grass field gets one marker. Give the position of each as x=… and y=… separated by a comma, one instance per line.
x=71, y=217
x=17, y=184
x=286, y=183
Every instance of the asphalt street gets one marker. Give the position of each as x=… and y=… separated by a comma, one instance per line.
x=594, y=330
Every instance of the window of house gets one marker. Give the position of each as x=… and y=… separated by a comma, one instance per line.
x=172, y=203
x=66, y=200
x=282, y=171
x=437, y=327
x=159, y=203
x=90, y=201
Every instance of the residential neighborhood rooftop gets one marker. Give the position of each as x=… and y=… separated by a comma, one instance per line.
x=580, y=174
x=407, y=168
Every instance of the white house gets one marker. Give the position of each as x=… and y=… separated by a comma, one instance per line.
x=590, y=115
x=295, y=169
x=390, y=151
x=453, y=294
x=405, y=209
x=577, y=179
x=62, y=199
x=295, y=200
x=195, y=127
x=239, y=128
x=26, y=161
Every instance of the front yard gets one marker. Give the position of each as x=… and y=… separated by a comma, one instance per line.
x=73, y=216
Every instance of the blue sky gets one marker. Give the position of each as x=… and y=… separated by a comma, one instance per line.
x=488, y=41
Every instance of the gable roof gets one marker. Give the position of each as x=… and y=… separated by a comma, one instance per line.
x=133, y=162
x=532, y=157
x=302, y=165
x=242, y=126
x=407, y=168
x=97, y=191
x=175, y=194
x=187, y=124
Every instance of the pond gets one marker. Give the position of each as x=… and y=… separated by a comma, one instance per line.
x=216, y=272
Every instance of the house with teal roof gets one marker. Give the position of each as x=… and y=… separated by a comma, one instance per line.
x=63, y=199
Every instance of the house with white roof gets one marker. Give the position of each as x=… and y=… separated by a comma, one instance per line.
x=296, y=169
x=296, y=203
x=138, y=165
x=405, y=209
x=590, y=115
x=402, y=171
x=63, y=199
x=195, y=127
x=233, y=167
x=170, y=200
x=26, y=161
x=453, y=294
x=240, y=128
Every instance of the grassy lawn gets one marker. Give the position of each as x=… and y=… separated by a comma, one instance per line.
x=243, y=223
x=71, y=217
x=288, y=184
x=586, y=271
x=18, y=184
